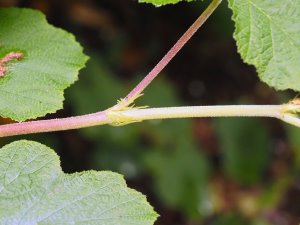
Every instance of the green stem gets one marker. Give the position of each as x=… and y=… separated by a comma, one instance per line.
x=205, y=111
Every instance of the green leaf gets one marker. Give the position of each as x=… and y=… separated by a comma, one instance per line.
x=51, y=58
x=34, y=190
x=245, y=147
x=162, y=2
x=267, y=35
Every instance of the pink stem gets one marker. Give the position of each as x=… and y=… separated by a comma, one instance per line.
x=41, y=126
x=171, y=53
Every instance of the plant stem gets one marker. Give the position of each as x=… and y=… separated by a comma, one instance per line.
x=41, y=126
x=169, y=56
x=205, y=111
x=122, y=113
x=122, y=117
x=110, y=115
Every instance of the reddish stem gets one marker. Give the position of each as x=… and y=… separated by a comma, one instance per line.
x=170, y=54
x=41, y=126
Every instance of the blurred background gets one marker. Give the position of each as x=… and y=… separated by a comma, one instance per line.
x=232, y=171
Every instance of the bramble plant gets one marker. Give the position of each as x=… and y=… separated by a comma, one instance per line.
x=38, y=62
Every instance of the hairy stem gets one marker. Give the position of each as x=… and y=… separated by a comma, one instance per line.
x=170, y=55
x=286, y=112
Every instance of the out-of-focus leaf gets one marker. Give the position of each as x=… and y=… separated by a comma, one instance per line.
x=159, y=94
x=98, y=88
x=118, y=157
x=244, y=144
x=51, y=58
x=293, y=134
x=181, y=177
x=34, y=190
x=272, y=194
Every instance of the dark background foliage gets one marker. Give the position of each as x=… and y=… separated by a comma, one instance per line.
x=202, y=171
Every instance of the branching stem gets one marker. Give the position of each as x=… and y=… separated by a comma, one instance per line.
x=122, y=113
x=286, y=112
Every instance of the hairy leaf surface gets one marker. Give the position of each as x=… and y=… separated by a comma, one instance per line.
x=162, y=2
x=34, y=190
x=267, y=35
x=51, y=58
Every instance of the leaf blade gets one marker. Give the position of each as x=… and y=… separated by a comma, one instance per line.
x=34, y=85
x=56, y=198
x=267, y=37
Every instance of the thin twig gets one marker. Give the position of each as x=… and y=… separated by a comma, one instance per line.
x=169, y=56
